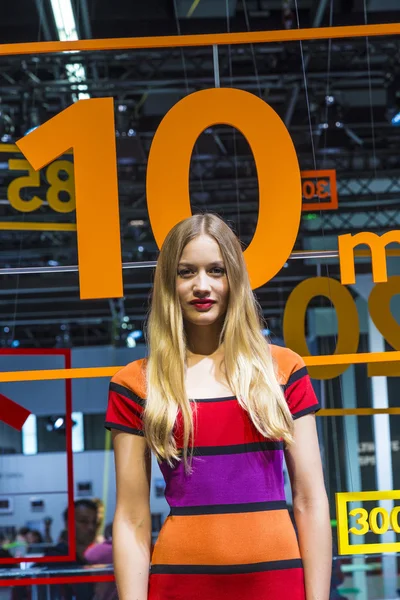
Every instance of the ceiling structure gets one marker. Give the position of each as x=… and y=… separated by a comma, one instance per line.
x=337, y=99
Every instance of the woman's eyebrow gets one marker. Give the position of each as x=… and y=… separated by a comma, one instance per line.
x=217, y=263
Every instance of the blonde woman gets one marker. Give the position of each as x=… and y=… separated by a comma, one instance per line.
x=219, y=407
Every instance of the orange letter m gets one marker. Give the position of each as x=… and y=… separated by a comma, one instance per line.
x=377, y=245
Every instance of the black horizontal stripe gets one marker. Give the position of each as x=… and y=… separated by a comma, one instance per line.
x=296, y=376
x=236, y=448
x=127, y=393
x=213, y=399
x=276, y=565
x=307, y=411
x=109, y=425
x=224, y=509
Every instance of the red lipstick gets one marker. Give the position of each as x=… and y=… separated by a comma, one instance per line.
x=202, y=304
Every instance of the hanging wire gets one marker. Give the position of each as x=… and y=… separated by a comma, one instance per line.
x=327, y=93
x=246, y=16
x=371, y=109
x=178, y=28
x=331, y=387
x=328, y=81
x=11, y=338
x=21, y=233
x=228, y=29
x=345, y=439
x=306, y=90
x=334, y=424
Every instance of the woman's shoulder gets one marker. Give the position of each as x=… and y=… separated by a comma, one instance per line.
x=287, y=362
x=132, y=377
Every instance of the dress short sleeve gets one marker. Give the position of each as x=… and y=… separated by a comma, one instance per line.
x=125, y=406
x=298, y=389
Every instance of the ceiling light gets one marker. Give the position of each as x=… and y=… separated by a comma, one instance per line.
x=396, y=119
x=130, y=340
x=58, y=423
x=65, y=20
x=67, y=31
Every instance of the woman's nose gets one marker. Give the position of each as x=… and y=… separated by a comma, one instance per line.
x=201, y=282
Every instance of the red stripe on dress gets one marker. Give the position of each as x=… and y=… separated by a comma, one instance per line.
x=222, y=423
x=286, y=584
x=124, y=411
x=300, y=395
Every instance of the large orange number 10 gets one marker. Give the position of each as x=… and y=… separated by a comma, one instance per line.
x=88, y=127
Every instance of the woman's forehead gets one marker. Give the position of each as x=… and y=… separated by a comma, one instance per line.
x=203, y=244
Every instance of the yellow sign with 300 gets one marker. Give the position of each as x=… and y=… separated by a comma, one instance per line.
x=378, y=521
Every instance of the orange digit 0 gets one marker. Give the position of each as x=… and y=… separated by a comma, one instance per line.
x=347, y=317
x=379, y=306
x=168, y=197
x=308, y=190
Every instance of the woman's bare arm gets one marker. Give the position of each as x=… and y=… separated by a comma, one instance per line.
x=132, y=520
x=311, y=508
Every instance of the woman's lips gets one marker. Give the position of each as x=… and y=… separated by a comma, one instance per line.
x=202, y=306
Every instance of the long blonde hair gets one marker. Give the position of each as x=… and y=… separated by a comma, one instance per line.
x=249, y=367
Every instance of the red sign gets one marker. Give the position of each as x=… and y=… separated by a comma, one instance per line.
x=66, y=353
x=319, y=190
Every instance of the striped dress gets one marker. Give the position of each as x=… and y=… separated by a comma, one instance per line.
x=228, y=535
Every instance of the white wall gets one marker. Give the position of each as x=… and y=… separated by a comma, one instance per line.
x=44, y=476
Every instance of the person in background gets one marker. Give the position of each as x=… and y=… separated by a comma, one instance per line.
x=48, y=538
x=101, y=554
x=4, y=553
x=85, y=531
x=22, y=534
x=34, y=537
x=100, y=518
x=20, y=545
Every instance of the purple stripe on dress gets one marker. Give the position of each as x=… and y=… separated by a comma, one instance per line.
x=226, y=479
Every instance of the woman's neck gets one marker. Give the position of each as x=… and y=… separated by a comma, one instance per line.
x=200, y=351
x=203, y=341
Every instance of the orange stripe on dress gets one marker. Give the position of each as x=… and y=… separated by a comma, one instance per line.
x=133, y=377
x=226, y=539
x=287, y=361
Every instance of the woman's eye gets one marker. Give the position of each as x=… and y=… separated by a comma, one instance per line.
x=183, y=272
x=215, y=270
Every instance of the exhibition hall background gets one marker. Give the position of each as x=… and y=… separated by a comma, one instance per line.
x=339, y=98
